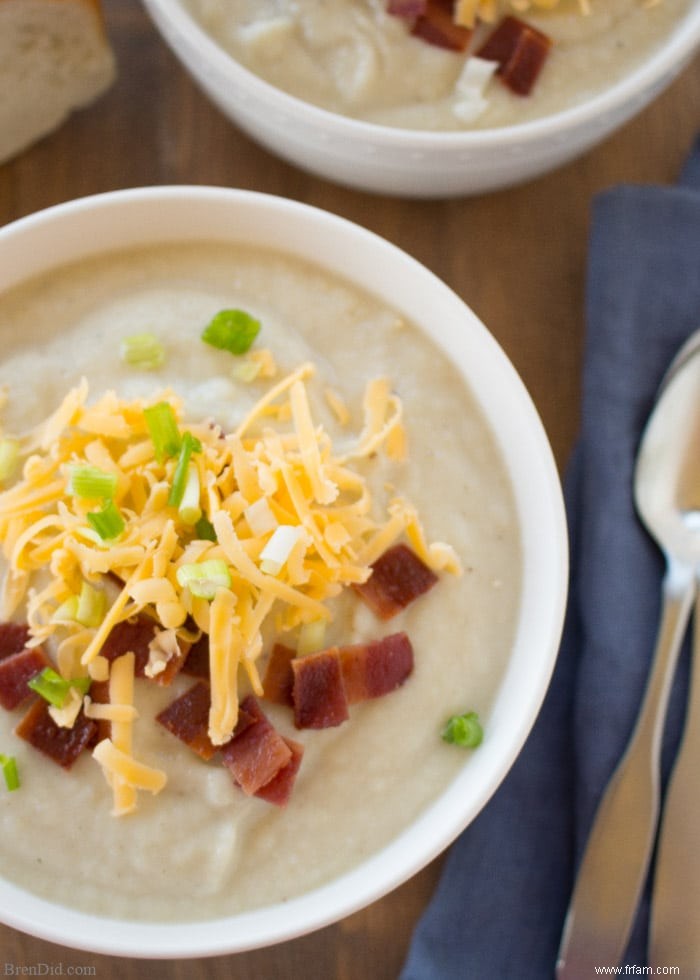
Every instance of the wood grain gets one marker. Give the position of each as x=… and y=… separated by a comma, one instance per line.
x=518, y=257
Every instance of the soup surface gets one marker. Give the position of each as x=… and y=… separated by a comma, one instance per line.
x=353, y=58
x=200, y=847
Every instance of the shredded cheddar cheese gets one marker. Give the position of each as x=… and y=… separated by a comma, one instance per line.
x=295, y=523
x=123, y=773
x=467, y=12
x=225, y=650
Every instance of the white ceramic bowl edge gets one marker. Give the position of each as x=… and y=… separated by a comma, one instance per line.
x=406, y=162
x=129, y=218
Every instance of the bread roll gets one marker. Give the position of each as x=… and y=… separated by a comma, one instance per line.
x=54, y=57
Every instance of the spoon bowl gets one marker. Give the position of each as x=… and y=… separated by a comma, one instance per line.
x=667, y=475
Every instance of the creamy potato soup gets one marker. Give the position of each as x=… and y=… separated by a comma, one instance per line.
x=354, y=58
x=199, y=846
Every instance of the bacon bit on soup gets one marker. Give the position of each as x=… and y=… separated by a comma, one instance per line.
x=371, y=670
x=15, y=673
x=188, y=718
x=262, y=762
x=437, y=26
x=407, y=8
x=321, y=685
x=63, y=745
x=13, y=638
x=133, y=635
x=398, y=578
x=279, y=789
x=257, y=754
x=318, y=691
x=520, y=51
x=197, y=660
x=432, y=21
x=159, y=654
x=167, y=653
x=278, y=682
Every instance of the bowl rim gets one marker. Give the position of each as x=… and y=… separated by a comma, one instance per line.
x=669, y=57
x=34, y=239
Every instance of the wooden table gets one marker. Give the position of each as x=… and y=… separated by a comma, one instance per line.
x=517, y=257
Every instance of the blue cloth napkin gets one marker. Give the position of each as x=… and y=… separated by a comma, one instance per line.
x=499, y=908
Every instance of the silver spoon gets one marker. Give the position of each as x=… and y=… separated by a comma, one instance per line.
x=616, y=858
x=675, y=919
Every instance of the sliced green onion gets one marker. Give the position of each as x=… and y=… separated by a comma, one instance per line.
x=91, y=606
x=162, y=427
x=108, y=522
x=311, y=637
x=51, y=686
x=245, y=371
x=205, y=578
x=204, y=529
x=9, y=457
x=189, y=509
x=87, y=534
x=67, y=612
x=54, y=688
x=278, y=548
x=91, y=483
x=9, y=771
x=231, y=330
x=142, y=350
x=81, y=684
x=464, y=730
x=188, y=446
x=260, y=517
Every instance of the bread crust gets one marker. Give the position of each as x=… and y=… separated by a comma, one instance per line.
x=94, y=5
x=40, y=106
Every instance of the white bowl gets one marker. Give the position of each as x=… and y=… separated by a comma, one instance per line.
x=124, y=219
x=407, y=162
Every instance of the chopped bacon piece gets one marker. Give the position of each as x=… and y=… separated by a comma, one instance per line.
x=188, y=718
x=15, y=672
x=520, y=51
x=13, y=638
x=279, y=789
x=278, y=682
x=406, y=8
x=137, y=635
x=197, y=660
x=398, y=577
x=63, y=745
x=246, y=718
x=522, y=70
x=437, y=26
x=373, y=669
x=174, y=651
x=256, y=754
x=131, y=635
x=319, y=695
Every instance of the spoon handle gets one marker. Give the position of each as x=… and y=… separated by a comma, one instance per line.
x=675, y=929
x=616, y=858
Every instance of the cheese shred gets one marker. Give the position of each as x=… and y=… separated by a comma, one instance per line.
x=288, y=513
x=467, y=12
